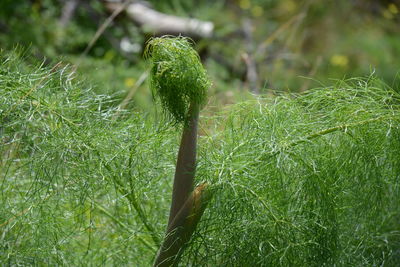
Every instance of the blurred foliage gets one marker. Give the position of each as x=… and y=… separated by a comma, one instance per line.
x=290, y=40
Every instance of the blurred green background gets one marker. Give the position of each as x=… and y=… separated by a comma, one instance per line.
x=76, y=170
x=293, y=45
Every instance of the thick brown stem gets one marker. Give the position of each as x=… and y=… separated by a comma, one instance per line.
x=182, y=227
x=187, y=205
x=186, y=163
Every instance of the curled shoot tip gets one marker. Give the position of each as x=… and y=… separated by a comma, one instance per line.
x=177, y=76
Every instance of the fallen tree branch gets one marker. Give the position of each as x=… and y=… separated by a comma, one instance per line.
x=159, y=23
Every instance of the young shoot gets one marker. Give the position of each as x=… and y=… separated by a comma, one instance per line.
x=177, y=76
x=180, y=81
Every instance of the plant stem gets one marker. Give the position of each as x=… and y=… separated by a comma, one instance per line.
x=186, y=163
x=187, y=205
x=182, y=227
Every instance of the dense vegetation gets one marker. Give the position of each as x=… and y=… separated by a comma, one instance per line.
x=299, y=180
x=298, y=176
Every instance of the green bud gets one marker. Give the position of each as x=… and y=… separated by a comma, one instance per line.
x=177, y=76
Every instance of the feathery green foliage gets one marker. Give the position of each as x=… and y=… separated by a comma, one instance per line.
x=77, y=186
x=177, y=75
x=309, y=180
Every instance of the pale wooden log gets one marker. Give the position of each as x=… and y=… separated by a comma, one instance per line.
x=161, y=24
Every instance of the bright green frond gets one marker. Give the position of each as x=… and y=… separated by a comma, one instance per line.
x=177, y=75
